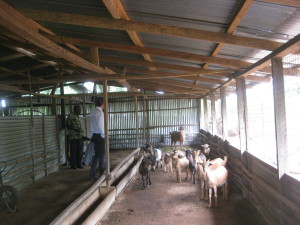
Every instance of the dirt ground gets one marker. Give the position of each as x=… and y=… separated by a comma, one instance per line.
x=165, y=202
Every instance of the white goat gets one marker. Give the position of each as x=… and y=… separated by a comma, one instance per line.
x=182, y=164
x=168, y=167
x=215, y=177
x=213, y=164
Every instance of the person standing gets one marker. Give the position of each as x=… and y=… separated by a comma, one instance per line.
x=98, y=135
x=75, y=134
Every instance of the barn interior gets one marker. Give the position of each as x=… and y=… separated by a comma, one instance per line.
x=226, y=71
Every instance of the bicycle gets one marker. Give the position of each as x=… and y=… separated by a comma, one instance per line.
x=8, y=194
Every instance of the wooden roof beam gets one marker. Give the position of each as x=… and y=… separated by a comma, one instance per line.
x=17, y=23
x=171, y=67
x=117, y=10
x=236, y=64
x=100, y=22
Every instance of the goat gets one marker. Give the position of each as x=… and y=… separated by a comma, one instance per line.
x=168, y=167
x=144, y=169
x=215, y=177
x=177, y=136
x=182, y=164
x=190, y=155
x=156, y=153
x=213, y=164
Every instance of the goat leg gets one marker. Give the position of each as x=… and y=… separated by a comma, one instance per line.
x=209, y=197
x=216, y=196
x=149, y=178
x=143, y=182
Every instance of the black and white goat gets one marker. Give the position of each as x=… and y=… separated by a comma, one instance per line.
x=156, y=153
x=145, y=168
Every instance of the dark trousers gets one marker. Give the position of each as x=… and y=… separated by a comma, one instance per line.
x=98, y=158
x=76, y=150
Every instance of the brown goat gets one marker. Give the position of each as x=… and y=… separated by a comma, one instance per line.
x=177, y=136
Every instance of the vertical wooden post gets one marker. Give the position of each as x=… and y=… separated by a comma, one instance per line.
x=144, y=119
x=280, y=116
x=224, y=113
x=205, y=114
x=106, y=123
x=243, y=126
x=136, y=121
x=54, y=111
x=242, y=113
x=63, y=106
x=280, y=123
x=148, y=122
x=44, y=147
x=95, y=60
x=213, y=114
x=32, y=131
x=199, y=115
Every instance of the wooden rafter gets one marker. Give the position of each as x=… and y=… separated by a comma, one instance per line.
x=237, y=64
x=117, y=10
x=182, y=84
x=236, y=20
x=158, y=65
x=167, y=88
x=23, y=27
x=92, y=21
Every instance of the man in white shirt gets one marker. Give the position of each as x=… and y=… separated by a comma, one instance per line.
x=98, y=135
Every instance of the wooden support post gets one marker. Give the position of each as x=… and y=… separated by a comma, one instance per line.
x=63, y=106
x=280, y=122
x=213, y=114
x=54, y=111
x=243, y=126
x=199, y=114
x=32, y=131
x=224, y=112
x=242, y=113
x=205, y=114
x=148, y=122
x=106, y=122
x=136, y=121
x=144, y=119
x=44, y=147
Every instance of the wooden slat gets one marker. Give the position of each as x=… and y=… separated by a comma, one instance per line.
x=92, y=21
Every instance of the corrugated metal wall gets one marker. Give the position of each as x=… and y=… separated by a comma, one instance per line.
x=161, y=116
x=30, y=148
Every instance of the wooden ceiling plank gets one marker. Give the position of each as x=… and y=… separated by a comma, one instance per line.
x=236, y=64
x=92, y=21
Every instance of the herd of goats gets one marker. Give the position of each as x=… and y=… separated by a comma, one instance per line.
x=212, y=173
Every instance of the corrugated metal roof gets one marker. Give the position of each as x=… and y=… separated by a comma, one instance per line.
x=264, y=20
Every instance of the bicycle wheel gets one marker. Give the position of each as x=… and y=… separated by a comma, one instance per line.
x=8, y=195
